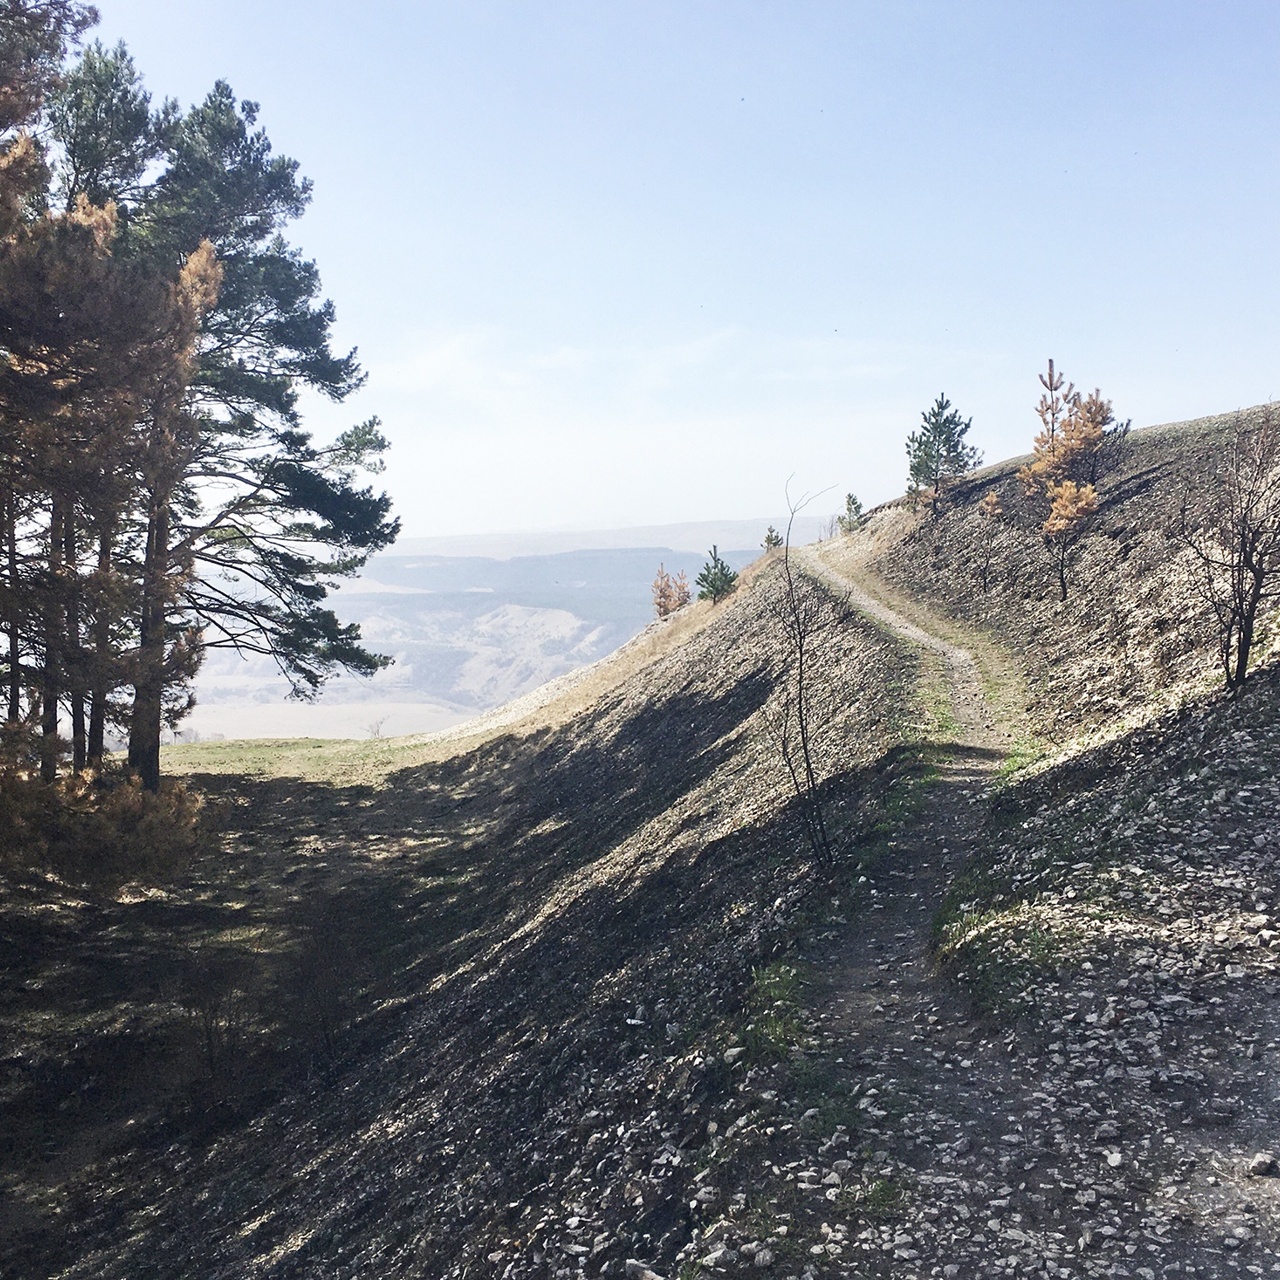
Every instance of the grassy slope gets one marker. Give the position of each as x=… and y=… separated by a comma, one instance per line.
x=434, y=991
x=371, y=761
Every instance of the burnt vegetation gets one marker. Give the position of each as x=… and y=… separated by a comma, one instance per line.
x=672, y=981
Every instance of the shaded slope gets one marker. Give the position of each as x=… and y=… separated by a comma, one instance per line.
x=1031, y=1029
x=547, y=933
x=1084, y=1084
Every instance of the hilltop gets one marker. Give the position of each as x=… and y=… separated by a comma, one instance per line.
x=561, y=995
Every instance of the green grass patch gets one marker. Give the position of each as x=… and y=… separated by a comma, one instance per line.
x=936, y=696
x=1021, y=755
x=1003, y=954
x=773, y=1022
x=880, y=1199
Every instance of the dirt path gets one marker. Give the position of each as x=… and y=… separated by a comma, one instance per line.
x=950, y=1113
x=983, y=1148
x=885, y=995
x=974, y=716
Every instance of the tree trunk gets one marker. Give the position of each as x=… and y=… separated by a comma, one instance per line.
x=1249, y=597
x=99, y=680
x=51, y=684
x=12, y=618
x=148, y=687
x=75, y=651
x=1244, y=645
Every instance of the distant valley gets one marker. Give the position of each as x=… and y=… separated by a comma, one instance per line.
x=470, y=630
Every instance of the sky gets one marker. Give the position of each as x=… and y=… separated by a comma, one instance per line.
x=630, y=263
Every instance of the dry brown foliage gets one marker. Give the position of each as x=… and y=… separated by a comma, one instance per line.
x=669, y=593
x=1074, y=431
x=1071, y=506
x=99, y=831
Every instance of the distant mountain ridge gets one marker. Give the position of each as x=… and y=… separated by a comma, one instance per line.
x=693, y=535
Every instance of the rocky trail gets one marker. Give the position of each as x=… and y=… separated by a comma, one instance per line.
x=1085, y=1140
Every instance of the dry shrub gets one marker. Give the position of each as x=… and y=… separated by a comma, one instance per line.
x=669, y=593
x=98, y=830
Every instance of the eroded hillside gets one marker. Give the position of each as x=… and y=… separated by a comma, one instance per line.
x=565, y=997
x=537, y=946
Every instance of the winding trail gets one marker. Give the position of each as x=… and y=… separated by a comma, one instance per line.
x=949, y=1094
x=974, y=716
x=880, y=983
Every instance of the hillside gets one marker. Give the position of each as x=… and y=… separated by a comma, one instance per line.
x=563, y=997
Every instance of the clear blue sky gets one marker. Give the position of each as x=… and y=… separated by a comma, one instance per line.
x=626, y=263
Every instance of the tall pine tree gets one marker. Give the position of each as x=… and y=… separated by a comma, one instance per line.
x=249, y=568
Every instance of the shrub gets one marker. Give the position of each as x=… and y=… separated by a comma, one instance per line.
x=1232, y=528
x=98, y=830
x=669, y=593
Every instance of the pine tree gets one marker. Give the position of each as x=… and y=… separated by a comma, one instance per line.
x=937, y=452
x=251, y=570
x=1078, y=435
x=1056, y=401
x=109, y=135
x=772, y=539
x=1071, y=507
x=853, y=518
x=670, y=593
x=157, y=491
x=34, y=35
x=716, y=580
x=93, y=346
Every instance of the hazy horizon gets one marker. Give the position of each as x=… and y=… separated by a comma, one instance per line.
x=617, y=266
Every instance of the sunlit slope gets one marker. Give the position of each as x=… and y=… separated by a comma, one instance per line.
x=1131, y=633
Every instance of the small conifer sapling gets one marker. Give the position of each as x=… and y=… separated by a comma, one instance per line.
x=716, y=580
x=853, y=518
x=772, y=539
x=1079, y=436
x=670, y=592
x=937, y=452
x=1071, y=507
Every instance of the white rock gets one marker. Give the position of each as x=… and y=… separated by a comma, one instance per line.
x=638, y=1271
